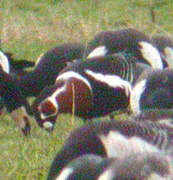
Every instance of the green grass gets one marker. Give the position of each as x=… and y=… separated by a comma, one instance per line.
x=31, y=27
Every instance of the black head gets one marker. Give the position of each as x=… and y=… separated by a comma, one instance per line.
x=49, y=122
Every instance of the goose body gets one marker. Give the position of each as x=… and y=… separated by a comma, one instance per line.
x=48, y=67
x=165, y=45
x=134, y=166
x=12, y=66
x=153, y=91
x=114, y=139
x=128, y=41
x=103, y=83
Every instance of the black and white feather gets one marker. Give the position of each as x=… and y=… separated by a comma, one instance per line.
x=14, y=89
x=153, y=90
x=165, y=45
x=4, y=63
x=127, y=41
x=115, y=139
x=135, y=166
x=108, y=81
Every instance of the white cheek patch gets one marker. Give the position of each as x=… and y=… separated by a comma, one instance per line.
x=111, y=80
x=119, y=146
x=65, y=173
x=151, y=54
x=4, y=63
x=53, y=100
x=169, y=56
x=72, y=74
x=136, y=95
x=98, y=51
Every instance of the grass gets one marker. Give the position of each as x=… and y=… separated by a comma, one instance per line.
x=31, y=27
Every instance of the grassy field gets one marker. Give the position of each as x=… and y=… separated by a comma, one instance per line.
x=31, y=27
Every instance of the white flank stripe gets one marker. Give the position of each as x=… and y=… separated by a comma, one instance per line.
x=98, y=51
x=136, y=95
x=151, y=54
x=72, y=74
x=4, y=62
x=118, y=146
x=111, y=80
x=52, y=98
x=66, y=172
x=169, y=56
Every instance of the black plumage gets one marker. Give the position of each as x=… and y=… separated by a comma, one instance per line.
x=103, y=139
x=16, y=88
x=103, y=83
x=153, y=90
x=135, y=166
